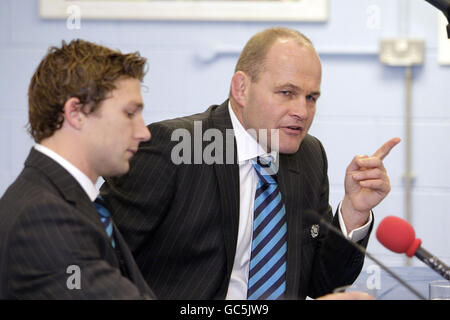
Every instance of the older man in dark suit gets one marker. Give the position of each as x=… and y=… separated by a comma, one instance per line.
x=85, y=108
x=223, y=213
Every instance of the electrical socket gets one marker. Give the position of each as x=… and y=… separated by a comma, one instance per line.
x=402, y=52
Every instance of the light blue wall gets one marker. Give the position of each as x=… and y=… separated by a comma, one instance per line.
x=362, y=104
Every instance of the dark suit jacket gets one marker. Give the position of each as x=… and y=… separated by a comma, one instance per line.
x=181, y=221
x=48, y=223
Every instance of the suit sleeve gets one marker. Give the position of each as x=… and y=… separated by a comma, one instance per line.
x=139, y=199
x=53, y=254
x=336, y=262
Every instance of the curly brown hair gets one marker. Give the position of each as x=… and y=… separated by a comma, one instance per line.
x=80, y=69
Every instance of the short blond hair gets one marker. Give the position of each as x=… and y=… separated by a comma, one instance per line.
x=252, y=58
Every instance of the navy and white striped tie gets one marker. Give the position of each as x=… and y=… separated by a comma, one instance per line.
x=105, y=218
x=267, y=275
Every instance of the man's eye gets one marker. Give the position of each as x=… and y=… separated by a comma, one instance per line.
x=311, y=98
x=286, y=92
x=130, y=114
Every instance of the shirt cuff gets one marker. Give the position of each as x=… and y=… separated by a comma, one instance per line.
x=356, y=234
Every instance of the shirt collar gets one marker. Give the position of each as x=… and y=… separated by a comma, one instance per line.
x=247, y=147
x=81, y=178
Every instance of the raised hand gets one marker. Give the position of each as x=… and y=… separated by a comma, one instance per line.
x=366, y=184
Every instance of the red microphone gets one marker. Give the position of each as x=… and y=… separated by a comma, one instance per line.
x=398, y=235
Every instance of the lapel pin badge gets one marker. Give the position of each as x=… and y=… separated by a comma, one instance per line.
x=314, y=230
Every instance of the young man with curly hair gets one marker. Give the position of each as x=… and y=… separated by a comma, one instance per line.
x=85, y=115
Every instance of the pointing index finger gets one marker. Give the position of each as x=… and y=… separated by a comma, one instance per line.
x=386, y=148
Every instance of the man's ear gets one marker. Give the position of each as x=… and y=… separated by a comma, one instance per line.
x=73, y=114
x=239, y=87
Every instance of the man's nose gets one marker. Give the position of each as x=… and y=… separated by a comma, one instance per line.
x=299, y=108
x=142, y=133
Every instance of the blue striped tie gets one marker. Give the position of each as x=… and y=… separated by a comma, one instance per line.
x=105, y=217
x=267, y=275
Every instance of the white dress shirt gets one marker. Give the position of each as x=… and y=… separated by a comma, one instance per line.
x=248, y=149
x=81, y=178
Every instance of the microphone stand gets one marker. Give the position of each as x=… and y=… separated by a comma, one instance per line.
x=332, y=228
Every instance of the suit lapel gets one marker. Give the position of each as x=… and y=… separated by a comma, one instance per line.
x=71, y=191
x=63, y=181
x=291, y=185
x=67, y=186
x=228, y=182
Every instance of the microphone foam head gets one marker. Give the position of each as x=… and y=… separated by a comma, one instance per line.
x=398, y=235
